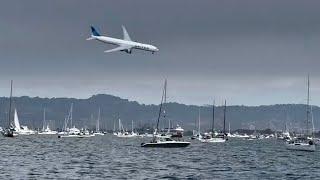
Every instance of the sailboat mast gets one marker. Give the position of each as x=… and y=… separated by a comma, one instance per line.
x=98, y=121
x=224, y=116
x=213, y=117
x=308, y=102
x=44, y=119
x=71, y=112
x=161, y=104
x=199, y=118
x=311, y=113
x=132, y=126
x=9, y=114
x=165, y=101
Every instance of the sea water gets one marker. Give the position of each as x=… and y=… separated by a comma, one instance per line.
x=110, y=157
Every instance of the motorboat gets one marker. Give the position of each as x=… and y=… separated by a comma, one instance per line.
x=165, y=143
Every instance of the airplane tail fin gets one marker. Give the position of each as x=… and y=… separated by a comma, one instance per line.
x=94, y=32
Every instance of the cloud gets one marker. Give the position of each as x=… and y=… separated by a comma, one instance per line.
x=250, y=52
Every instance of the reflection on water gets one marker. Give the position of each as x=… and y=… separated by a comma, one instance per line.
x=102, y=157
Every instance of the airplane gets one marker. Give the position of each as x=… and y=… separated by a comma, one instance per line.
x=125, y=44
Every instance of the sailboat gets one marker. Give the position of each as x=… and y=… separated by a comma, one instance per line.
x=195, y=133
x=216, y=138
x=304, y=142
x=19, y=129
x=45, y=127
x=73, y=131
x=114, y=128
x=98, y=132
x=163, y=142
x=9, y=131
x=285, y=135
x=123, y=133
x=229, y=132
x=133, y=134
x=199, y=136
x=15, y=126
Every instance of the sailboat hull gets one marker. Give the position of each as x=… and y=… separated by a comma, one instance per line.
x=213, y=140
x=74, y=136
x=301, y=147
x=166, y=144
x=98, y=134
x=48, y=133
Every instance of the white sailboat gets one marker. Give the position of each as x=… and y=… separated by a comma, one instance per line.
x=133, y=134
x=215, y=138
x=285, y=135
x=122, y=132
x=229, y=132
x=114, y=128
x=67, y=120
x=45, y=128
x=304, y=142
x=48, y=131
x=73, y=131
x=19, y=129
x=195, y=133
x=98, y=132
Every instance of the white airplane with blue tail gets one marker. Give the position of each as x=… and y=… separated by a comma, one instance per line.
x=125, y=44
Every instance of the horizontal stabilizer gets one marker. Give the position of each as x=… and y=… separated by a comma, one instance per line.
x=90, y=38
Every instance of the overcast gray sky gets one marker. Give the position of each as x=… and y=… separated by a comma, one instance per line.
x=250, y=52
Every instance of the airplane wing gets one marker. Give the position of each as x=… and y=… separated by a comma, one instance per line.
x=120, y=48
x=125, y=34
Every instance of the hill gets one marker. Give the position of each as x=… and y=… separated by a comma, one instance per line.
x=30, y=112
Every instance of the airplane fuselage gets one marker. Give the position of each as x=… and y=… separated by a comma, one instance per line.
x=121, y=42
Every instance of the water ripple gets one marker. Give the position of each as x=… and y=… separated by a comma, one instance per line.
x=108, y=157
